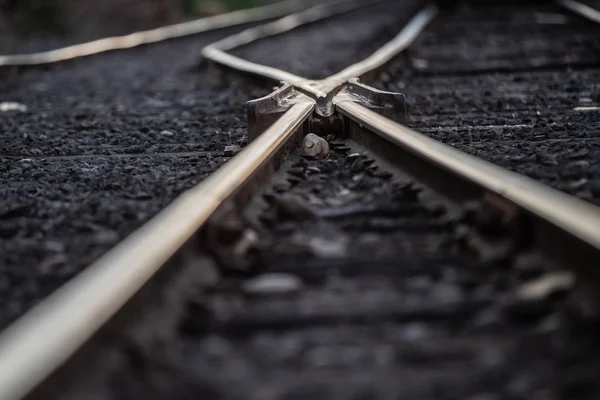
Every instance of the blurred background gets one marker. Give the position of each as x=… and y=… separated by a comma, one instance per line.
x=35, y=25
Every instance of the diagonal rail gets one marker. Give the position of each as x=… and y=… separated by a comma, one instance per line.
x=71, y=315
x=576, y=217
x=581, y=9
x=154, y=35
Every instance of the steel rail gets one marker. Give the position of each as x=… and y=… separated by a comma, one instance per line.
x=217, y=52
x=249, y=67
x=581, y=9
x=72, y=314
x=570, y=214
x=388, y=51
x=154, y=35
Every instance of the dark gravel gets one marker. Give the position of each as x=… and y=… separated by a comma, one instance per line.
x=105, y=143
x=326, y=47
x=353, y=283
x=521, y=93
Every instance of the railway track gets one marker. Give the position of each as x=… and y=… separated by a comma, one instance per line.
x=373, y=261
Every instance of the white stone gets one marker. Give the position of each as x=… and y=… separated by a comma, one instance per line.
x=273, y=284
x=12, y=106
